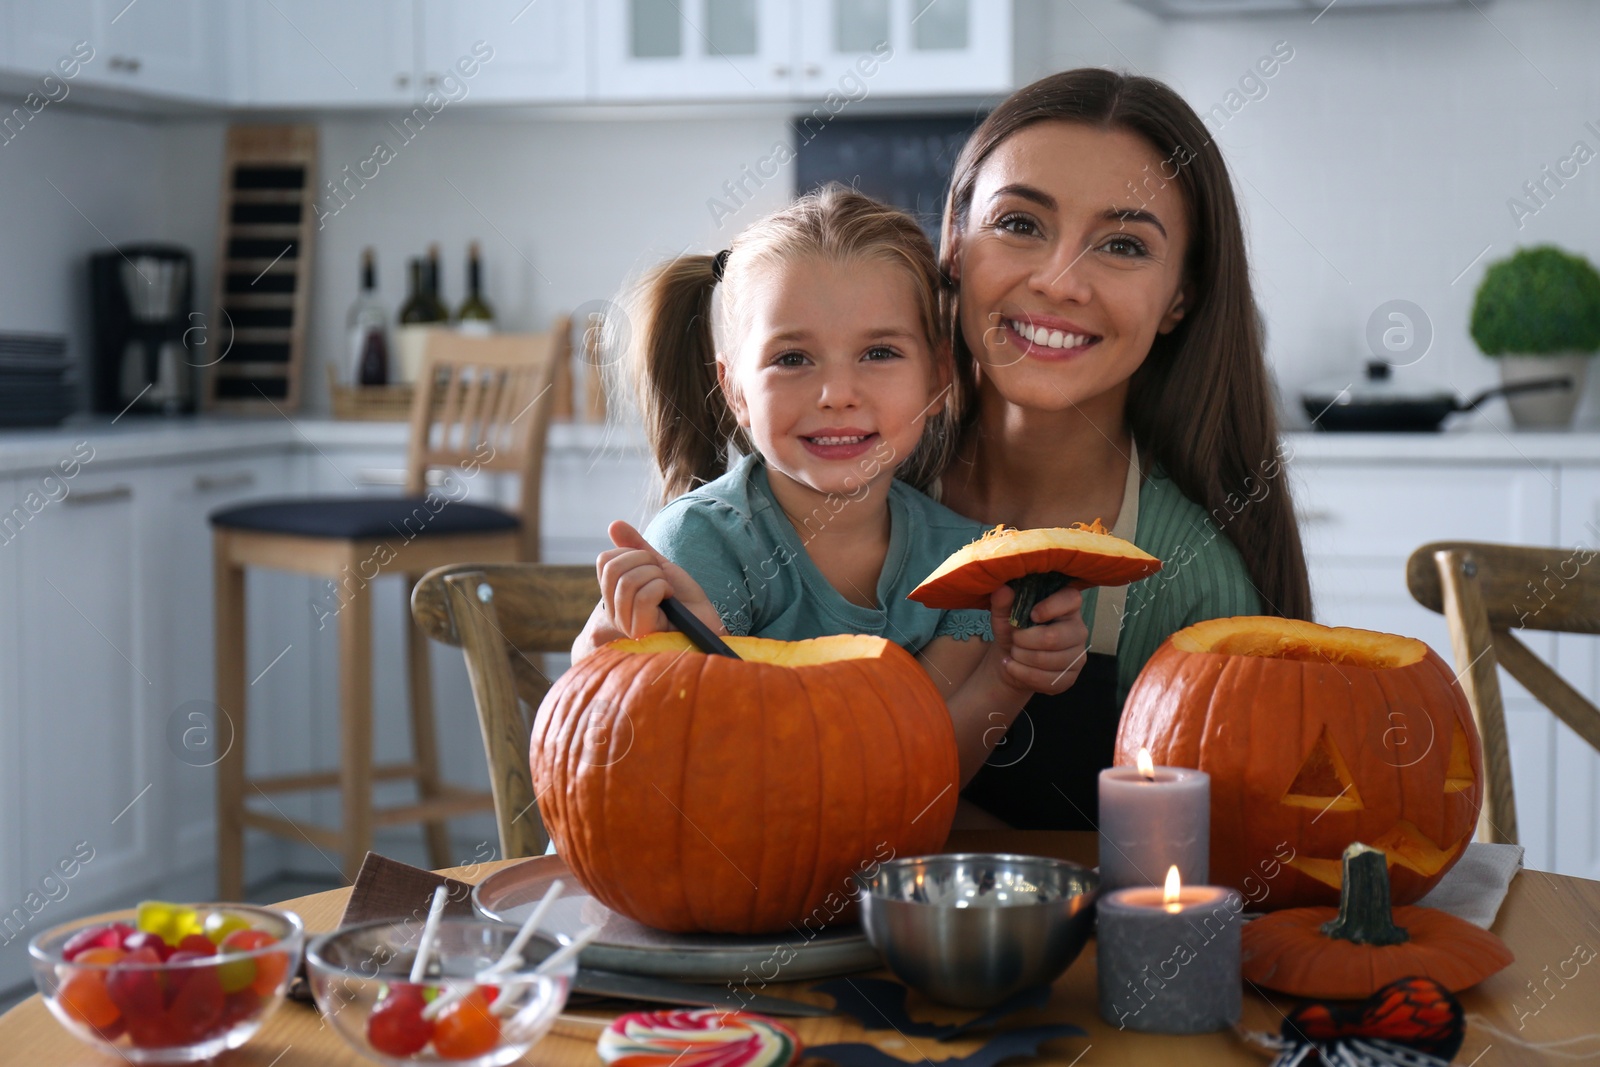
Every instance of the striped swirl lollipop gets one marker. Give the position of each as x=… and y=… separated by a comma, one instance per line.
x=705, y=1037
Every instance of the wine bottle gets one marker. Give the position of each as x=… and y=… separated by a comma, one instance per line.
x=368, y=329
x=475, y=316
x=418, y=315
x=441, y=313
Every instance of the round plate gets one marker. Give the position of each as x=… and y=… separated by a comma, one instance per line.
x=509, y=894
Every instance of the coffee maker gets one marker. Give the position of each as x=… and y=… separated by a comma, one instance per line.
x=141, y=297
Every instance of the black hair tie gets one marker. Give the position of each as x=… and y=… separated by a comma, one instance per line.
x=719, y=263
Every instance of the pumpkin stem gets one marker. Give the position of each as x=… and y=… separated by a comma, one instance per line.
x=1365, y=917
x=1030, y=589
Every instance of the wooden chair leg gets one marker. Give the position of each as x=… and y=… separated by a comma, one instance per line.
x=228, y=587
x=424, y=738
x=355, y=725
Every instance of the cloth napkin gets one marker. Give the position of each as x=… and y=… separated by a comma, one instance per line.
x=1474, y=888
x=389, y=889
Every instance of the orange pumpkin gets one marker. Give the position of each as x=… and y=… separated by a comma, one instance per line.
x=1036, y=563
x=1315, y=737
x=702, y=793
x=1360, y=947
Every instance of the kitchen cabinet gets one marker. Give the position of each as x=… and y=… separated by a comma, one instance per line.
x=161, y=47
x=904, y=47
x=694, y=49
x=1577, y=841
x=540, y=50
x=310, y=53
x=786, y=49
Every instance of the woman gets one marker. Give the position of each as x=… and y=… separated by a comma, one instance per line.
x=1110, y=362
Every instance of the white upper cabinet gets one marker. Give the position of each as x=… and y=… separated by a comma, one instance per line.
x=312, y=53
x=648, y=50
x=537, y=50
x=162, y=47
x=904, y=47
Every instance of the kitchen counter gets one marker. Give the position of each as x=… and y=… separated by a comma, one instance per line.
x=133, y=440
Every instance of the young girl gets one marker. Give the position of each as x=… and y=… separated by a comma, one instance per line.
x=825, y=361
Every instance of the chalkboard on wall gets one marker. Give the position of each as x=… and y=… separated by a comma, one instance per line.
x=905, y=162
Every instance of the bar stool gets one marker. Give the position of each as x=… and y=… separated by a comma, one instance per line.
x=481, y=404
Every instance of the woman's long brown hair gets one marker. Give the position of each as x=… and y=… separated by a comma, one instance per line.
x=1202, y=403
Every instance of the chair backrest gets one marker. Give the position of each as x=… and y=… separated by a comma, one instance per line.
x=1484, y=592
x=483, y=404
x=503, y=616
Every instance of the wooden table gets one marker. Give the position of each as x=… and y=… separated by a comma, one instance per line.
x=1544, y=919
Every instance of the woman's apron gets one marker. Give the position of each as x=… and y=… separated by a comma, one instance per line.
x=1045, y=773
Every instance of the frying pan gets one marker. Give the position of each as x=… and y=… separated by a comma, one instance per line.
x=1375, y=405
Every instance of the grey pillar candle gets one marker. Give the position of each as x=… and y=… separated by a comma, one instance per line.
x=1150, y=824
x=1169, y=968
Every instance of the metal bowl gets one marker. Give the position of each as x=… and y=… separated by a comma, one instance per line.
x=971, y=929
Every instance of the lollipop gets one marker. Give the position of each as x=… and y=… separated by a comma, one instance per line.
x=706, y=1037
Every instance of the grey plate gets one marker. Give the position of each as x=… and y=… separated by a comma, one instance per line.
x=510, y=893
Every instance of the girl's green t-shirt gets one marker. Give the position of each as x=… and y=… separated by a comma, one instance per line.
x=735, y=540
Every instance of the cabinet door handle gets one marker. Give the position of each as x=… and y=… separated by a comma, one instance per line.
x=813, y=70
x=431, y=80
x=99, y=496
x=1316, y=517
x=215, y=483
x=402, y=81
x=133, y=65
x=780, y=71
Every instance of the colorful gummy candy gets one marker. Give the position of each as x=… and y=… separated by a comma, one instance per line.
x=150, y=981
x=701, y=1037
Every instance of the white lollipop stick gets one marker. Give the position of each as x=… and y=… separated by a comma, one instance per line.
x=566, y=952
x=430, y=931
x=507, y=1002
x=513, y=955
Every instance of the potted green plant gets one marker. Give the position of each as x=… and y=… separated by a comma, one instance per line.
x=1538, y=314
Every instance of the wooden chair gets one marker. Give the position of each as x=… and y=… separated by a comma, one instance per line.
x=502, y=617
x=1485, y=591
x=481, y=404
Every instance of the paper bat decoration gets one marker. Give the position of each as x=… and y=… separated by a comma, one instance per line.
x=879, y=1004
x=1006, y=1046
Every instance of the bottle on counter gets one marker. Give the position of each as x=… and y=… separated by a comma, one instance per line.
x=420, y=313
x=368, y=329
x=441, y=312
x=475, y=316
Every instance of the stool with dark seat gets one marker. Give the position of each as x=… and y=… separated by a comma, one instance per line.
x=481, y=404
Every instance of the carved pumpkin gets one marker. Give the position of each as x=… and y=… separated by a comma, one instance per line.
x=1315, y=737
x=1364, y=945
x=1036, y=563
x=701, y=793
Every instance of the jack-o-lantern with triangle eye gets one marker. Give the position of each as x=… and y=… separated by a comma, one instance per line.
x=1315, y=737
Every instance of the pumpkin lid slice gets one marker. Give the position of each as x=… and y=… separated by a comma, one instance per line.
x=1082, y=555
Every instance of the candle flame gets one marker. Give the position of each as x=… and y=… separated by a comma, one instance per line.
x=1174, y=887
x=1147, y=766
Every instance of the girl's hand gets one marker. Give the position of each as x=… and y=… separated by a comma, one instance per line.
x=1048, y=656
x=635, y=579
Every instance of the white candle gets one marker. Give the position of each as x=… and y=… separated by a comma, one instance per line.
x=1152, y=818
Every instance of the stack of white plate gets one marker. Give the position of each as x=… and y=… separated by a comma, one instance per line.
x=33, y=386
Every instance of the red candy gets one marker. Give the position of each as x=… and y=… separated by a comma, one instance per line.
x=197, y=945
x=396, y=1026
x=95, y=937
x=136, y=991
x=140, y=939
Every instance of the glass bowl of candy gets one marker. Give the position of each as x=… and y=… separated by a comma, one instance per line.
x=168, y=983
x=461, y=1011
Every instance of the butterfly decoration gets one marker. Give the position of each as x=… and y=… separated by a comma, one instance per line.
x=1414, y=1022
